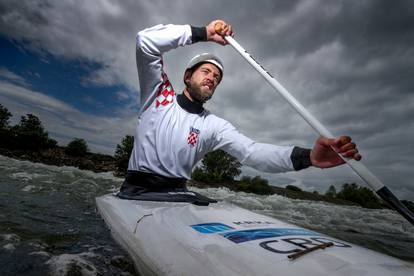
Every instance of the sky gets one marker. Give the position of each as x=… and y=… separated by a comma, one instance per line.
x=350, y=63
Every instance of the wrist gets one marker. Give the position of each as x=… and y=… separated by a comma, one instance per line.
x=301, y=158
x=198, y=34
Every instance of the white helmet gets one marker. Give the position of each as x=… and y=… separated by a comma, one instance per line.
x=203, y=58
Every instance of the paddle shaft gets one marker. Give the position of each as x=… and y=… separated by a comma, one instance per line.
x=356, y=166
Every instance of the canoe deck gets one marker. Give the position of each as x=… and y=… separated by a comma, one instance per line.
x=165, y=238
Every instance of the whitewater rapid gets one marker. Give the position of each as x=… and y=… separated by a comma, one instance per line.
x=48, y=222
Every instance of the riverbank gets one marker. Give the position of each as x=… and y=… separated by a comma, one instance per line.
x=95, y=162
x=302, y=195
x=105, y=163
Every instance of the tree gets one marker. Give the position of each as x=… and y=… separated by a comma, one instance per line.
x=218, y=166
x=331, y=192
x=123, y=152
x=4, y=117
x=77, y=147
x=293, y=188
x=6, y=137
x=361, y=195
x=31, y=135
x=256, y=185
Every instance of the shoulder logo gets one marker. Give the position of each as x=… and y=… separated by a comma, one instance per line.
x=165, y=94
x=193, y=136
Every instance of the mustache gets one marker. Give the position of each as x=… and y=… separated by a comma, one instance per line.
x=208, y=82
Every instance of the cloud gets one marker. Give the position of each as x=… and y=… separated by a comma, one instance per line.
x=65, y=122
x=12, y=77
x=349, y=62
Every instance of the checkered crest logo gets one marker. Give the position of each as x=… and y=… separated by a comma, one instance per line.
x=165, y=94
x=193, y=136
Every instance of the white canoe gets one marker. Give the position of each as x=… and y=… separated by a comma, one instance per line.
x=165, y=238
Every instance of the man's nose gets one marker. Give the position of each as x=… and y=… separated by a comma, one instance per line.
x=210, y=77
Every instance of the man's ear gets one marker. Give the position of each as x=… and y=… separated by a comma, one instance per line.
x=187, y=76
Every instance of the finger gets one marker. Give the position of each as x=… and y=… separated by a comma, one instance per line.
x=342, y=140
x=352, y=154
x=221, y=40
x=230, y=31
x=326, y=142
x=225, y=30
x=347, y=147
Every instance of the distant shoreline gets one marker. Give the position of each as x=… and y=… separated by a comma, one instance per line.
x=302, y=195
x=95, y=162
x=105, y=163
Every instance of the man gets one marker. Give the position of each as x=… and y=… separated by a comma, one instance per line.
x=174, y=131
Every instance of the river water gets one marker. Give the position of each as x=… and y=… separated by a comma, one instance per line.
x=49, y=224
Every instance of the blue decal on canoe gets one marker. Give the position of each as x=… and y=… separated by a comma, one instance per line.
x=256, y=234
x=209, y=228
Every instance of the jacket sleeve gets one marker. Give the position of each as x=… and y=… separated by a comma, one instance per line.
x=261, y=156
x=151, y=43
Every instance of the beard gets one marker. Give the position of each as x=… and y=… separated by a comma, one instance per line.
x=198, y=93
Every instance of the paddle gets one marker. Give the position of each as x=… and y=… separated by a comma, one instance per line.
x=356, y=166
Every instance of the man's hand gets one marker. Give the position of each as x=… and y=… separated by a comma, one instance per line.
x=212, y=35
x=325, y=151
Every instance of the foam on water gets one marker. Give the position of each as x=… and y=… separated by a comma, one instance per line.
x=48, y=222
x=39, y=253
x=72, y=264
x=28, y=188
x=10, y=164
x=9, y=247
x=10, y=238
x=9, y=241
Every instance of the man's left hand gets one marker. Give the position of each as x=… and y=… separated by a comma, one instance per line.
x=325, y=151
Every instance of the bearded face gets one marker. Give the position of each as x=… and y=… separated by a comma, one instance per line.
x=202, y=83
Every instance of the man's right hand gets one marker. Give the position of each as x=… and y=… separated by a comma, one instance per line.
x=212, y=35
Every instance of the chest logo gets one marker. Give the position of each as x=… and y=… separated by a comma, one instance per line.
x=193, y=136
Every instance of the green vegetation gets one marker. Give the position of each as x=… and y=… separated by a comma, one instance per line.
x=293, y=188
x=29, y=140
x=77, y=147
x=331, y=192
x=217, y=166
x=256, y=185
x=28, y=134
x=6, y=137
x=360, y=195
x=4, y=118
x=122, y=154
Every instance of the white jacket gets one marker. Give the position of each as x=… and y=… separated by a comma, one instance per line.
x=170, y=139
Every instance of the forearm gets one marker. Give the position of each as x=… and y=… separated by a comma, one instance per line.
x=269, y=158
x=159, y=39
x=272, y=158
x=261, y=156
